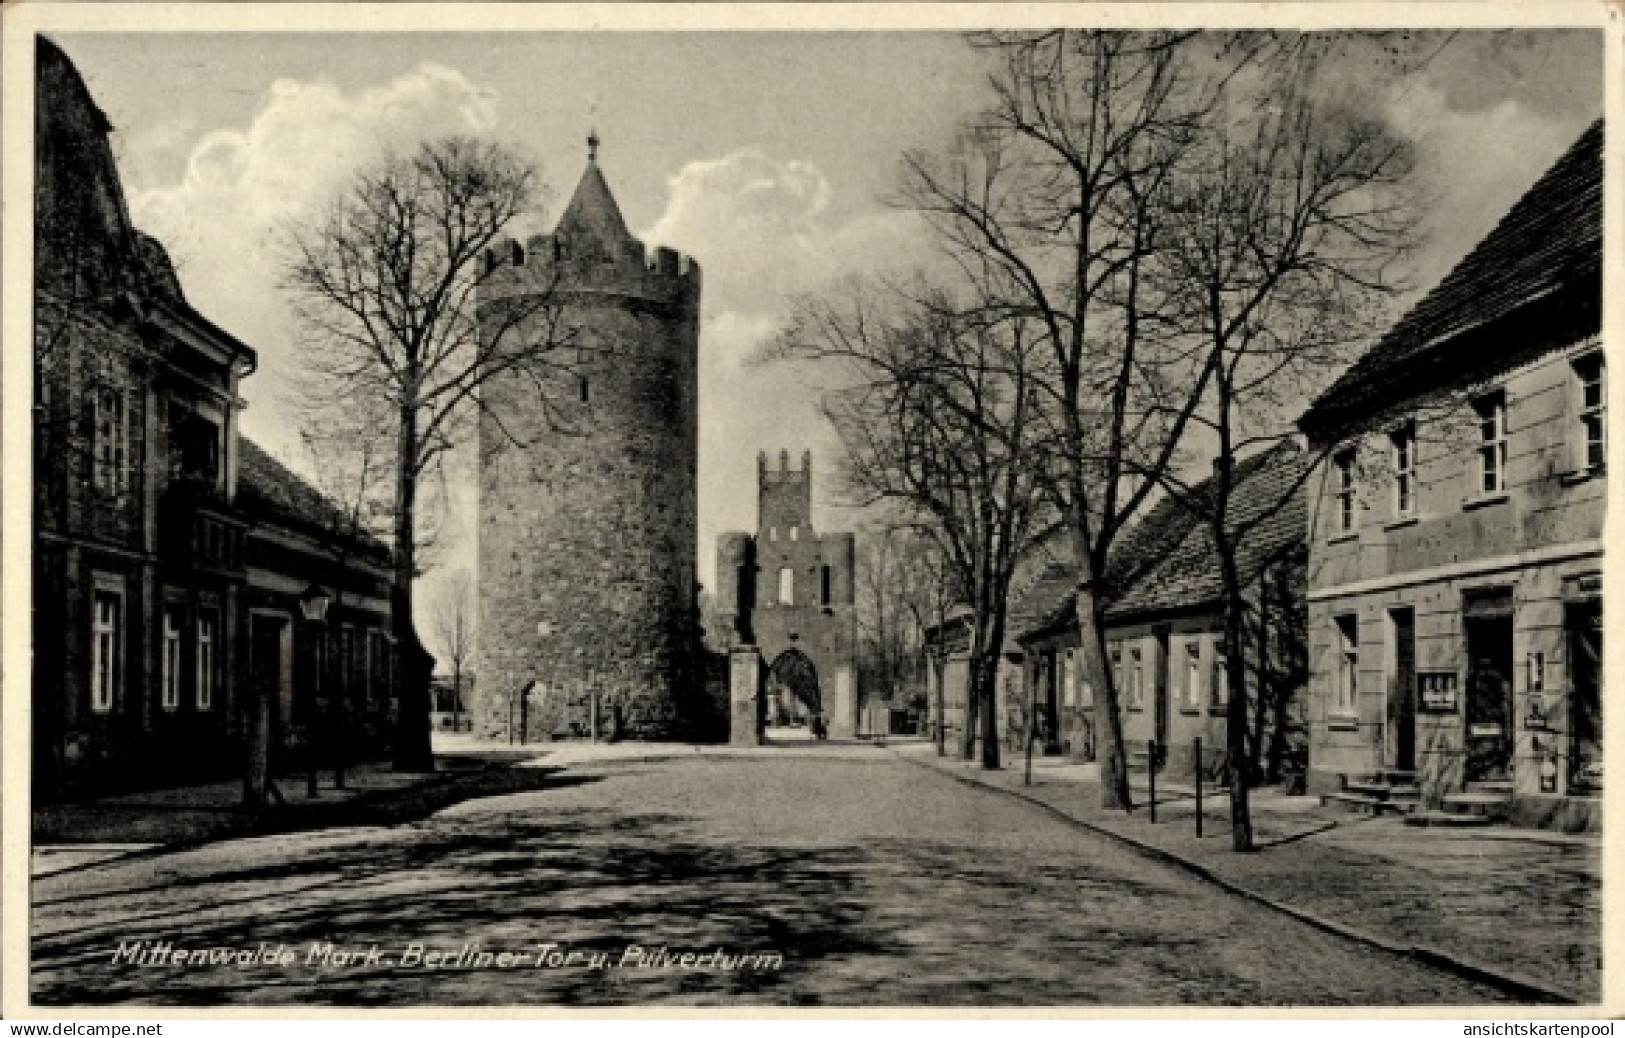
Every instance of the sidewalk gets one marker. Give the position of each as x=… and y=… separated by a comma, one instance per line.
x=72, y=835
x=1523, y=905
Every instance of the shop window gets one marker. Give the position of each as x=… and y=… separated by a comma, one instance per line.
x=1136, y=680
x=1492, y=442
x=1403, y=444
x=1348, y=663
x=170, y=687
x=1343, y=464
x=106, y=649
x=1193, y=674
x=1590, y=376
x=207, y=630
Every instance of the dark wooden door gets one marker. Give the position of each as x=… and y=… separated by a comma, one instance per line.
x=1402, y=696
x=1160, y=693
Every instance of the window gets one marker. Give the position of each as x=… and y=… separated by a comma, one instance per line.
x=1593, y=400
x=1403, y=442
x=823, y=585
x=787, y=586
x=1221, y=676
x=1193, y=673
x=1117, y=671
x=1492, y=442
x=773, y=533
x=105, y=649
x=1069, y=679
x=111, y=456
x=174, y=619
x=206, y=625
x=586, y=390
x=795, y=533
x=1136, y=680
x=1348, y=664
x=1343, y=463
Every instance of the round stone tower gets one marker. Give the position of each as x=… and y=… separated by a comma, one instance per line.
x=587, y=485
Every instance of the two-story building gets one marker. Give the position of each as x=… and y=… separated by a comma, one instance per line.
x=172, y=560
x=1455, y=534
x=138, y=551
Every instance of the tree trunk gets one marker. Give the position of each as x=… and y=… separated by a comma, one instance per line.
x=1114, y=788
x=941, y=667
x=1264, y=694
x=416, y=667
x=1241, y=822
x=987, y=685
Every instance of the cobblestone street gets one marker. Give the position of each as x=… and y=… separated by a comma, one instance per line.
x=879, y=882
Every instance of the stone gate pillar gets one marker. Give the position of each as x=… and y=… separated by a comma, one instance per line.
x=744, y=694
x=843, y=722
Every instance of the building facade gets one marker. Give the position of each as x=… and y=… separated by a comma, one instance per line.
x=789, y=591
x=160, y=604
x=1456, y=531
x=1165, y=620
x=331, y=679
x=587, y=564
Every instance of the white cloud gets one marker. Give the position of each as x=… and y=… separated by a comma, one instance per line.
x=765, y=231
x=241, y=187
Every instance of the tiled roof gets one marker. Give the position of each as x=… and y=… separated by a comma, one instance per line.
x=1167, y=561
x=592, y=210
x=1549, y=241
x=268, y=489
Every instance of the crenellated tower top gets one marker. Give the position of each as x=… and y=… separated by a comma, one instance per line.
x=592, y=250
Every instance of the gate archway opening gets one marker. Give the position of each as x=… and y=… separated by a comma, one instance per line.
x=791, y=695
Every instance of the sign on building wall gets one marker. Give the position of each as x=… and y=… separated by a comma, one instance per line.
x=1437, y=689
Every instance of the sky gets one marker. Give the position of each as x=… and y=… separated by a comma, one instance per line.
x=770, y=157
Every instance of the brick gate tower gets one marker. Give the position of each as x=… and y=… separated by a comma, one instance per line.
x=788, y=590
x=587, y=492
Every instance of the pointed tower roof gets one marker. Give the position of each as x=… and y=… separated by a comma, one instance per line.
x=592, y=209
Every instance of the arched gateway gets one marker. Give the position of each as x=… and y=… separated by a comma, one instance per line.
x=792, y=689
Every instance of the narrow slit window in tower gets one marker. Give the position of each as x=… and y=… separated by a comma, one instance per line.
x=823, y=587
x=787, y=586
x=586, y=394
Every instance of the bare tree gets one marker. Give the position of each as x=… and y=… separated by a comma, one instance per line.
x=1054, y=206
x=1289, y=230
x=934, y=420
x=386, y=283
x=454, y=631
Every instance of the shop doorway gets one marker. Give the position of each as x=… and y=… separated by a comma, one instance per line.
x=1584, y=623
x=1487, y=623
x=1402, y=692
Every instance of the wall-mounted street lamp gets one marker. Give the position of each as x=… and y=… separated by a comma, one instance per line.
x=314, y=602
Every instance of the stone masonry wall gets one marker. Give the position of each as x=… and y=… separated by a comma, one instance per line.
x=587, y=534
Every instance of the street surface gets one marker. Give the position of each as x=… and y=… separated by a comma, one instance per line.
x=879, y=882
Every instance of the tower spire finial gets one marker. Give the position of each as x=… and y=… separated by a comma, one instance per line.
x=592, y=145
